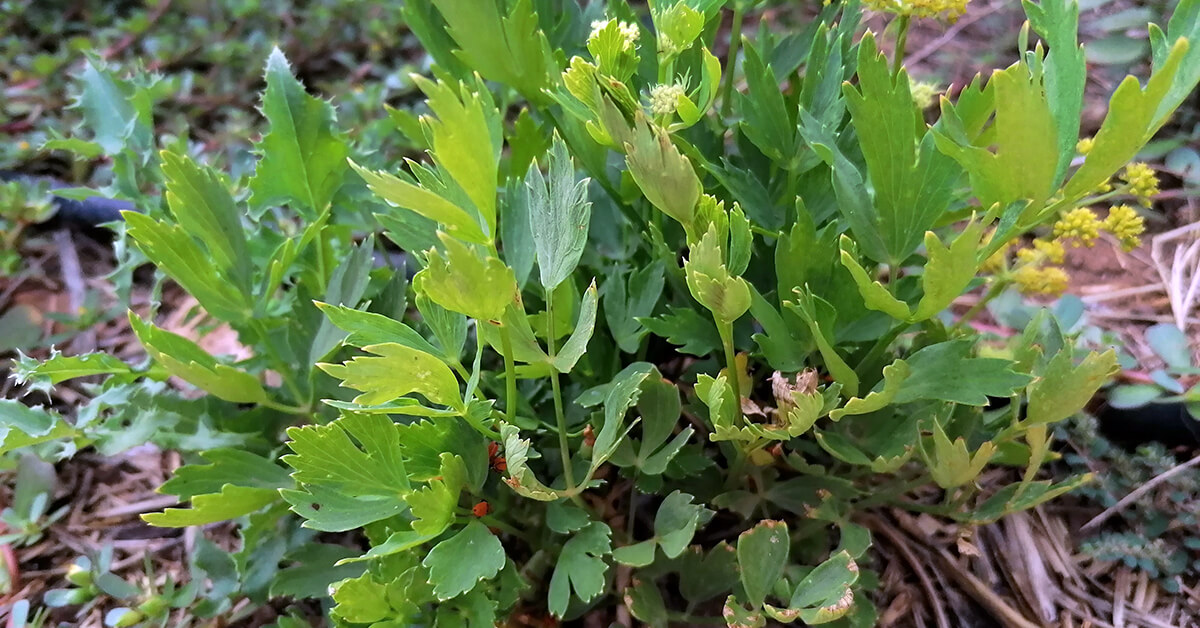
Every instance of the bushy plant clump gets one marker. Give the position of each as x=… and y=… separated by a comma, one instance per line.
x=673, y=322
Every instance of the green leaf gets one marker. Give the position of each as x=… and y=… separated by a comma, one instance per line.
x=826, y=584
x=563, y=517
x=558, y=216
x=949, y=270
x=361, y=600
x=1184, y=24
x=176, y=253
x=302, y=159
x=116, y=111
x=1057, y=21
x=227, y=466
x=453, y=281
x=912, y=181
x=396, y=191
x=346, y=286
x=636, y=555
x=1064, y=388
x=629, y=298
x=1170, y=344
x=703, y=577
x=676, y=522
x=894, y=375
x=369, y=328
x=874, y=294
x=397, y=371
x=1133, y=118
x=397, y=543
x=312, y=577
x=521, y=478
x=684, y=327
x=232, y=502
x=186, y=360
x=433, y=506
x=328, y=462
x=460, y=562
x=580, y=567
x=423, y=443
x=1024, y=164
x=805, y=306
x=59, y=368
x=204, y=208
x=509, y=49
x=643, y=598
x=330, y=510
x=22, y=426
x=576, y=345
x=946, y=372
x=762, y=553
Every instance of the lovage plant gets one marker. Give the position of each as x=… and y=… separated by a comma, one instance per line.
x=736, y=339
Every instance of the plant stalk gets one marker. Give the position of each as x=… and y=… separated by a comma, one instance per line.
x=735, y=40
x=726, y=331
x=510, y=375
x=994, y=291
x=560, y=418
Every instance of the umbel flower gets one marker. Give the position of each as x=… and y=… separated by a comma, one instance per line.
x=1143, y=182
x=665, y=98
x=1080, y=224
x=1126, y=225
x=920, y=8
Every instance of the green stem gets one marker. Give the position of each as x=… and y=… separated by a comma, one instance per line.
x=726, y=331
x=994, y=291
x=560, y=419
x=281, y=407
x=901, y=43
x=510, y=375
x=735, y=40
x=492, y=521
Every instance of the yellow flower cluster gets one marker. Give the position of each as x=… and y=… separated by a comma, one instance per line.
x=1031, y=279
x=1126, y=225
x=920, y=8
x=1143, y=182
x=925, y=94
x=1079, y=224
x=1085, y=145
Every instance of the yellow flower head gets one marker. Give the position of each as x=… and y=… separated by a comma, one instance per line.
x=1040, y=280
x=1126, y=225
x=1142, y=180
x=952, y=9
x=665, y=98
x=1080, y=224
x=1053, y=250
x=997, y=261
x=1085, y=145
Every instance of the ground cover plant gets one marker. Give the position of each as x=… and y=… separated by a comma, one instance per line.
x=643, y=335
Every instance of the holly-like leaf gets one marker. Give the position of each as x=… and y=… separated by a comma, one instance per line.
x=186, y=360
x=509, y=49
x=451, y=218
x=1057, y=21
x=664, y=175
x=394, y=371
x=762, y=553
x=580, y=568
x=558, y=216
x=23, y=426
x=949, y=270
x=58, y=368
x=303, y=159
